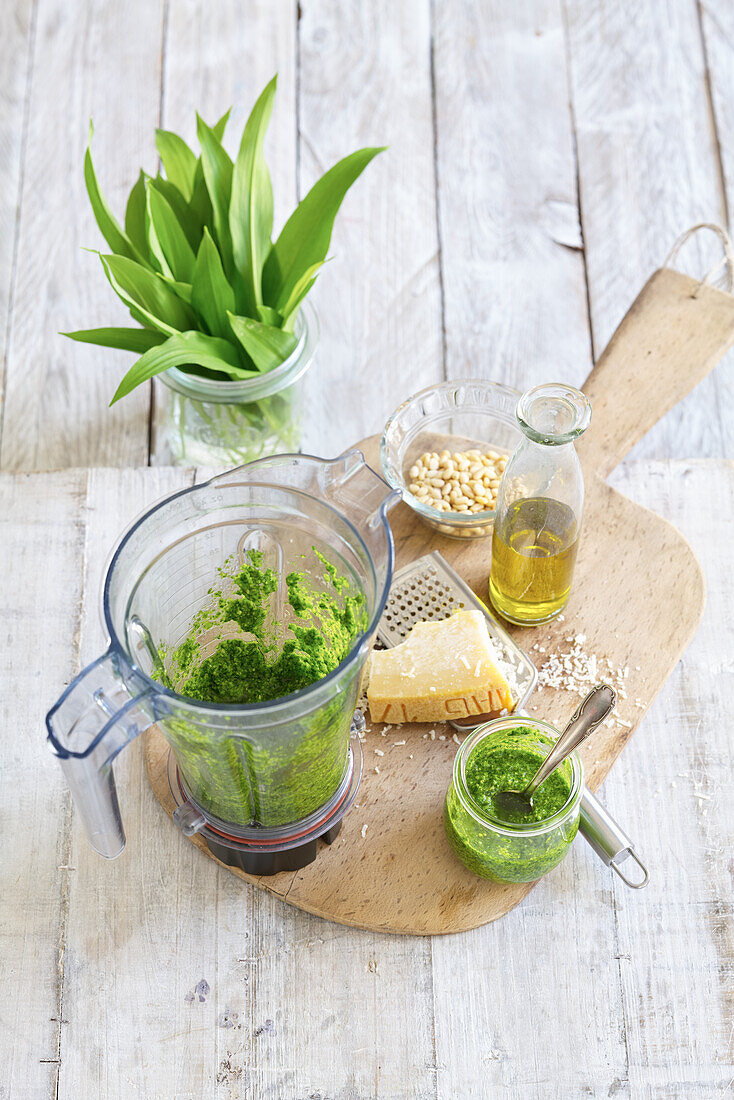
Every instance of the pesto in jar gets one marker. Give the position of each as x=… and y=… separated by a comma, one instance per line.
x=506, y=757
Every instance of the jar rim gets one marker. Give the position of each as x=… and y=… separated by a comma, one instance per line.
x=528, y=828
x=306, y=328
x=553, y=413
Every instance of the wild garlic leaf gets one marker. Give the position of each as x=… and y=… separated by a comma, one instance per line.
x=251, y=204
x=183, y=349
x=145, y=290
x=137, y=312
x=289, y=310
x=221, y=125
x=217, y=166
x=176, y=248
x=109, y=227
x=212, y=296
x=186, y=216
x=269, y=316
x=178, y=161
x=127, y=339
x=305, y=237
x=267, y=346
x=157, y=255
x=200, y=206
x=181, y=290
x=135, y=216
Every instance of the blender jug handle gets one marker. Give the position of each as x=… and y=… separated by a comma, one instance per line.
x=88, y=725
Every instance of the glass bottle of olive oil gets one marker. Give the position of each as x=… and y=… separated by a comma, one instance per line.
x=538, y=517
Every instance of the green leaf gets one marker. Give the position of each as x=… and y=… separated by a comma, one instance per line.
x=109, y=227
x=251, y=205
x=267, y=346
x=221, y=124
x=128, y=339
x=217, y=166
x=289, y=310
x=305, y=237
x=269, y=316
x=183, y=349
x=186, y=216
x=135, y=216
x=171, y=237
x=178, y=161
x=200, y=206
x=157, y=255
x=212, y=296
x=182, y=290
x=148, y=294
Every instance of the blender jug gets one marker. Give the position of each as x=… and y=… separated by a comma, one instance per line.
x=260, y=781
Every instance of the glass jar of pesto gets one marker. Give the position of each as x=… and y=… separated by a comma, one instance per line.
x=501, y=755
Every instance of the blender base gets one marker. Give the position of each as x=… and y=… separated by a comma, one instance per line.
x=270, y=863
x=258, y=851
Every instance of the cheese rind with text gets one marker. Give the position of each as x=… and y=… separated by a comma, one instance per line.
x=442, y=671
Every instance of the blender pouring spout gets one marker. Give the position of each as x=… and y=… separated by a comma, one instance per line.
x=354, y=486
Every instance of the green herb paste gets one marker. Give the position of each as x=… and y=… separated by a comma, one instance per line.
x=492, y=768
x=252, y=670
x=507, y=761
x=268, y=774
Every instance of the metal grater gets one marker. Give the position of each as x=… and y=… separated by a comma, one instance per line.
x=429, y=589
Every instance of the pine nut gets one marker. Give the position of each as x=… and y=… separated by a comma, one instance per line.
x=463, y=482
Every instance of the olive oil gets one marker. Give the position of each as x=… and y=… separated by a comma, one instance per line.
x=533, y=556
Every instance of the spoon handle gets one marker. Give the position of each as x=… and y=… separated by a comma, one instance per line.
x=594, y=709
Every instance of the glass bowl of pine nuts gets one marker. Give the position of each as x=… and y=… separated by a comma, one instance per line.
x=446, y=449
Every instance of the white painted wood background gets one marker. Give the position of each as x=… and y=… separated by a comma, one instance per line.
x=543, y=157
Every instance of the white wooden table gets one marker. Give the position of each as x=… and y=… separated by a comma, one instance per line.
x=543, y=157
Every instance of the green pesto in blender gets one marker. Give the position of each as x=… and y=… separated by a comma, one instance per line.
x=276, y=779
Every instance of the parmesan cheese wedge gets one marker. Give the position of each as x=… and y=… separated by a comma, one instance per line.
x=442, y=671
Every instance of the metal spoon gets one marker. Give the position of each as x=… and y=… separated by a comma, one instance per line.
x=594, y=709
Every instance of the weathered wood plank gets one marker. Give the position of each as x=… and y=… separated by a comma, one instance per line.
x=515, y=309
x=675, y=942
x=648, y=169
x=219, y=56
x=141, y=931
x=364, y=79
x=42, y=539
x=317, y=1009
x=16, y=47
x=513, y=274
x=89, y=59
x=717, y=23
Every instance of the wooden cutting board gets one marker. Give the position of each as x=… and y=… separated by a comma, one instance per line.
x=638, y=596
